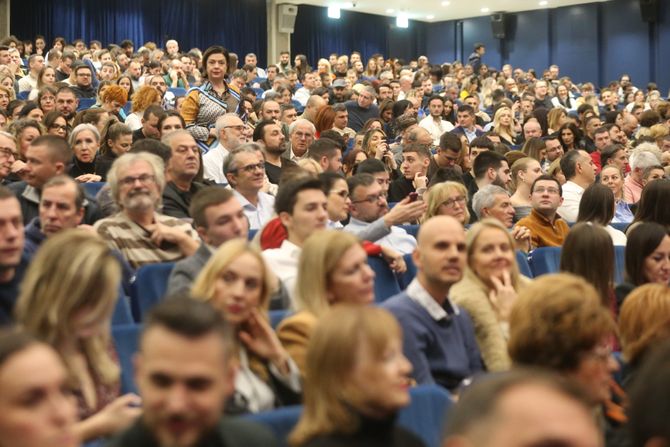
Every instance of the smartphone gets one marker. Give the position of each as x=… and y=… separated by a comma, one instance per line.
x=413, y=196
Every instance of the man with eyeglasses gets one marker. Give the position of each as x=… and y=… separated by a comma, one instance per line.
x=182, y=168
x=245, y=170
x=301, y=136
x=370, y=214
x=547, y=229
x=362, y=109
x=230, y=129
x=141, y=233
x=84, y=78
x=8, y=156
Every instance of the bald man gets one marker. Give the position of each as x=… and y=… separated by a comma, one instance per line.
x=438, y=336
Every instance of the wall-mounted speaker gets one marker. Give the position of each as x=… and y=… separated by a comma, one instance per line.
x=286, y=15
x=498, y=27
x=649, y=10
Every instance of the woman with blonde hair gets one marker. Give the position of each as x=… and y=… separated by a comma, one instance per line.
x=69, y=306
x=447, y=199
x=503, y=125
x=489, y=289
x=644, y=321
x=237, y=282
x=357, y=379
x=524, y=172
x=333, y=268
x=144, y=97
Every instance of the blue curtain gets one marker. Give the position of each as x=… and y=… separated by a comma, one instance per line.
x=317, y=36
x=239, y=25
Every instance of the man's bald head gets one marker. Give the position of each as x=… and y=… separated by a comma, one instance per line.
x=440, y=256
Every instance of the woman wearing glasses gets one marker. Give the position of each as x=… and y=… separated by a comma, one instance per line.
x=447, y=199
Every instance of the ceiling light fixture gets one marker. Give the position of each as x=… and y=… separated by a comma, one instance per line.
x=334, y=12
x=402, y=21
x=485, y=9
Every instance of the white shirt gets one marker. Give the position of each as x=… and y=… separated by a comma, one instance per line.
x=258, y=215
x=618, y=237
x=27, y=83
x=398, y=239
x=302, y=95
x=283, y=262
x=419, y=295
x=134, y=121
x=436, y=129
x=572, y=195
x=212, y=164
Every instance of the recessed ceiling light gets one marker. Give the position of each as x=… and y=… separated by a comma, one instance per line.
x=348, y=5
x=430, y=17
x=544, y=3
x=402, y=21
x=390, y=11
x=445, y=3
x=485, y=9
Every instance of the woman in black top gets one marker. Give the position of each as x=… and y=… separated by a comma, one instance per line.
x=116, y=141
x=85, y=142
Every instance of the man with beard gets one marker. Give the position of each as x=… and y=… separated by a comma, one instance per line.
x=182, y=169
x=185, y=371
x=138, y=230
x=489, y=168
x=67, y=103
x=269, y=135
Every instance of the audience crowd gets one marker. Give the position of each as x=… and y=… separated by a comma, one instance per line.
x=281, y=200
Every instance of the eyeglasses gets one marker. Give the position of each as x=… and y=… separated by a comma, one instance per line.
x=451, y=202
x=550, y=190
x=144, y=179
x=251, y=168
x=239, y=127
x=8, y=152
x=342, y=193
x=371, y=199
x=59, y=127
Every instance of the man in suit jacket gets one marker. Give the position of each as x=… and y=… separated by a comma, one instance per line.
x=467, y=124
x=182, y=168
x=218, y=217
x=185, y=371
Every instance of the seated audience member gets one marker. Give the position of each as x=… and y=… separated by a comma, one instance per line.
x=237, y=282
x=447, y=199
x=356, y=381
x=47, y=156
x=217, y=217
x=116, y=140
x=547, y=229
x=652, y=205
x=301, y=136
x=268, y=134
x=567, y=306
x=333, y=269
x=169, y=122
x=640, y=160
x=301, y=206
x=67, y=300
x=362, y=108
x=467, y=123
x=185, y=343
x=61, y=208
x=337, y=192
x=327, y=154
x=489, y=168
x=181, y=172
x=376, y=168
x=138, y=230
x=85, y=142
x=601, y=139
x=524, y=173
x=13, y=262
x=597, y=206
x=245, y=170
x=435, y=122
x=530, y=405
x=644, y=321
x=494, y=202
x=29, y=367
x=446, y=155
x=580, y=172
x=489, y=288
x=83, y=87
x=229, y=129
x=588, y=245
x=649, y=408
x=150, y=119
x=647, y=258
x=416, y=159
x=612, y=177
x=371, y=219
x=8, y=156
x=438, y=337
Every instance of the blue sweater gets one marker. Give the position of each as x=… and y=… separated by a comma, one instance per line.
x=443, y=352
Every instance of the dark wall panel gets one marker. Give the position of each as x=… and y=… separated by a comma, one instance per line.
x=574, y=41
x=441, y=42
x=528, y=43
x=478, y=29
x=662, y=50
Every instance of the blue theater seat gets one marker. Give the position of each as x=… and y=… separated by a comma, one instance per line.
x=92, y=188
x=126, y=342
x=386, y=284
x=149, y=287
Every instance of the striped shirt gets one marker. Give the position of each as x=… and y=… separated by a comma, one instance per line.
x=134, y=241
